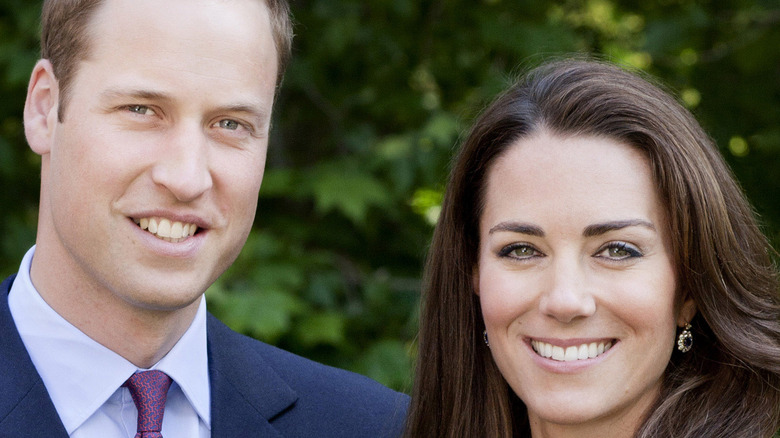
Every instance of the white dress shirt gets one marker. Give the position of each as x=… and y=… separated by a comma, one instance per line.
x=84, y=378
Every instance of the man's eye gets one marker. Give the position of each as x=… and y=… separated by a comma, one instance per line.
x=141, y=109
x=229, y=124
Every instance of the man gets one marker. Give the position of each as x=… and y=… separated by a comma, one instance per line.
x=151, y=119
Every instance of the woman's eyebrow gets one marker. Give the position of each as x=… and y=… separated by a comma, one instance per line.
x=605, y=227
x=590, y=230
x=518, y=227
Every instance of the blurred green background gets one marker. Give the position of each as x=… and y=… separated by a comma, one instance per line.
x=376, y=99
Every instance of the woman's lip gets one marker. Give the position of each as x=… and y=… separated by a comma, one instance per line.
x=568, y=342
x=570, y=350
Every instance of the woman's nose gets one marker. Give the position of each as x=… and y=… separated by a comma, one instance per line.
x=567, y=295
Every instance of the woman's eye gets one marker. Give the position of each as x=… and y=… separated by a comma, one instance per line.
x=519, y=251
x=619, y=251
x=229, y=124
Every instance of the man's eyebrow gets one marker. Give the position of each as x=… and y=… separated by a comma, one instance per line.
x=518, y=227
x=254, y=110
x=605, y=227
x=115, y=93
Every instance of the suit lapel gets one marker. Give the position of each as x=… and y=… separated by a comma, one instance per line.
x=245, y=391
x=25, y=406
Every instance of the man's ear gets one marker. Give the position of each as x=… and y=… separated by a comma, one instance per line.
x=687, y=312
x=41, y=107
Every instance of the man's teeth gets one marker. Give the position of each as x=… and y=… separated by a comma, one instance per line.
x=584, y=351
x=165, y=229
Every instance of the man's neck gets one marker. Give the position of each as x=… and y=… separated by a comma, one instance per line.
x=142, y=336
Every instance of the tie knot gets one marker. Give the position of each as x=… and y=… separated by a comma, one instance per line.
x=149, y=390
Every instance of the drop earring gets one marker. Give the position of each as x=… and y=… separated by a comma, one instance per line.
x=685, y=339
x=484, y=336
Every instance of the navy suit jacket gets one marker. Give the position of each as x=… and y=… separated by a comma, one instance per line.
x=256, y=391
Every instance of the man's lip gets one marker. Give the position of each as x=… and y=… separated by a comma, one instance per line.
x=202, y=223
x=183, y=248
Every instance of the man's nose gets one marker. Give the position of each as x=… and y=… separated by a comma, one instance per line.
x=567, y=295
x=182, y=165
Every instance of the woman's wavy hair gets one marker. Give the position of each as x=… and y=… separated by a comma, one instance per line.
x=728, y=385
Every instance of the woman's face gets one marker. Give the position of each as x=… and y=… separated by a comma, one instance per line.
x=576, y=282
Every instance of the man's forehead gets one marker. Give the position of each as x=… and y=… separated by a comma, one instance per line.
x=209, y=29
x=188, y=65
x=254, y=15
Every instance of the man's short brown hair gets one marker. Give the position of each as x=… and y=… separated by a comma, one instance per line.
x=65, y=40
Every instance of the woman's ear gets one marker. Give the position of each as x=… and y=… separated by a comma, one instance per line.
x=41, y=107
x=687, y=312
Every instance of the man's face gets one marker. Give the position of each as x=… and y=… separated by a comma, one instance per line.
x=166, y=129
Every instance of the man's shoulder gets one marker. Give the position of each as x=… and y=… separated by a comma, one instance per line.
x=340, y=402
x=306, y=371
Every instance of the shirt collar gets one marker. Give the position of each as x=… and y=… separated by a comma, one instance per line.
x=187, y=365
x=66, y=358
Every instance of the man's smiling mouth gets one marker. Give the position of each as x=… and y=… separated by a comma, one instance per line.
x=572, y=353
x=170, y=231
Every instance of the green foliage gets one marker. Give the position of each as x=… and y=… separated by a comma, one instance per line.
x=372, y=108
x=19, y=167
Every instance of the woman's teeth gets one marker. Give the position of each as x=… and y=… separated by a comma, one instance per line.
x=567, y=354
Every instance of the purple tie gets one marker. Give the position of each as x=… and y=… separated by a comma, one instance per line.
x=149, y=390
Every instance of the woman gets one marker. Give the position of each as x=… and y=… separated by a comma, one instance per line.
x=596, y=272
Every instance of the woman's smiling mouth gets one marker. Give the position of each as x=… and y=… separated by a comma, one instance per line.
x=571, y=353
